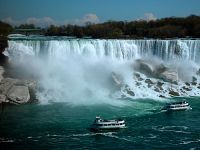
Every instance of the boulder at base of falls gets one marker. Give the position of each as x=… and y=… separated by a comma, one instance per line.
x=194, y=81
x=1, y=73
x=173, y=93
x=144, y=66
x=18, y=94
x=130, y=92
x=169, y=75
x=3, y=99
x=16, y=91
x=156, y=69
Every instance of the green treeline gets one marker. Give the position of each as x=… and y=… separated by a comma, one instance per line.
x=5, y=29
x=162, y=28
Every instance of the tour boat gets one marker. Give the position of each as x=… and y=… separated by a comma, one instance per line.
x=100, y=124
x=183, y=105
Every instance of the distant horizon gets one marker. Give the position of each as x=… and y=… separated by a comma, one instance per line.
x=85, y=23
x=62, y=12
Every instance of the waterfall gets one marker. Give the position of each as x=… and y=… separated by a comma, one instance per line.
x=114, y=49
x=79, y=71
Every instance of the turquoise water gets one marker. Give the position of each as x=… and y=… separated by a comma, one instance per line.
x=61, y=126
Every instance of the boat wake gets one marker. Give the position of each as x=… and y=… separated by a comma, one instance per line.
x=175, y=129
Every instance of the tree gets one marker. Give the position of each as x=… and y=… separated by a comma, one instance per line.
x=26, y=26
x=5, y=29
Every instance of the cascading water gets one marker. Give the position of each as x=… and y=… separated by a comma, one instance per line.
x=113, y=49
x=79, y=71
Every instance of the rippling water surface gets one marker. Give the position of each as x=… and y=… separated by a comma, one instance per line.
x=61, y=126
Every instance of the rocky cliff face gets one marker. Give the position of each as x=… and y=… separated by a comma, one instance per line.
x=156, y=80
x=157, y=70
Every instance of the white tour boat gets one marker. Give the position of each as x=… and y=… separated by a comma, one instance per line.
x=100, y=124
x=183, y=105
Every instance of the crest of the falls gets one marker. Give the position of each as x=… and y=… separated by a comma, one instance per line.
x=113, y=49
x=79, y=71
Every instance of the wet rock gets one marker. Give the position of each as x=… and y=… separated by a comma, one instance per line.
x=169, y=76
x=176, y=82
x=160, y=68
x=144, y=66
x=162, y=96
x=183, y=91
x=137, y=75
x=18, y=91
x=1, y=72
x=194, y=81
x=18, y=94
x=32, y=86
x=154, y=69
x=159, y=85
x=173, y=93
x=186, y=83
x=6, y=85
x=187, y=89
x=139, y=78
x=3, y=99
x=138, y=84
x=148, y=81
x=157, y=90
x=130, y=92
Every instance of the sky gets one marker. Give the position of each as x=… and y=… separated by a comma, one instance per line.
x=60, y=12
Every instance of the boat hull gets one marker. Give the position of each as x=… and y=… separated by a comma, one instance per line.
x=177, y=109
x=100, y=124
x=106, y=129
x=177, y=106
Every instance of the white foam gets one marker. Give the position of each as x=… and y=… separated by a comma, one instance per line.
x=79, y=71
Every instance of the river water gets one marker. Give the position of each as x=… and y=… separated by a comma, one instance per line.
x=61, y=126
x=75, y=85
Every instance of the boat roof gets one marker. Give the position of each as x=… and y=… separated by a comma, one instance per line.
x=174, y=103
x=108, y=121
